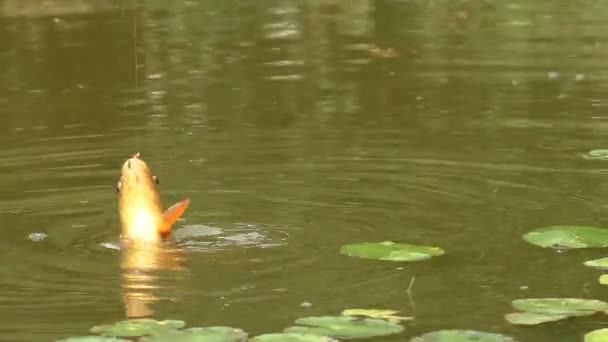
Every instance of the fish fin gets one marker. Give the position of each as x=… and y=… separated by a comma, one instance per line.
x=172, y=214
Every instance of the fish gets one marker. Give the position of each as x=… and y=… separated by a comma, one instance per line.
x=142, y=215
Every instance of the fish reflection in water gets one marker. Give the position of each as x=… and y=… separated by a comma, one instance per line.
x=141, y=264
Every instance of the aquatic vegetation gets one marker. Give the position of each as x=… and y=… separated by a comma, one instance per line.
x=542, y=310
x=389, y=315
x=532, y=318
x=346, y=327
x=391, y=251
x=597, y=154
x=137, y=327
x=568, y=237
x=600, y=335
x=354, y=323
x=564, y=306
x=207, y=334
x=92, y=339
x=461, y=336
x=601, y=264
x=292, y=337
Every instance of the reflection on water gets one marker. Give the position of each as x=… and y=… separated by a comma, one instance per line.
x=140, y=263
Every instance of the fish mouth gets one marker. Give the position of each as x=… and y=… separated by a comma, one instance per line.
x=135, y=156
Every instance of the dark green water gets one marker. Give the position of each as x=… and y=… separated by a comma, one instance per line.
x=293, y=138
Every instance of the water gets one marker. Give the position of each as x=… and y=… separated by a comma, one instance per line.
x=294, y=132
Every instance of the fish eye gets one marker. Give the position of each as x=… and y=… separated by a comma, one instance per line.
x=155, y=180
x=118, y=186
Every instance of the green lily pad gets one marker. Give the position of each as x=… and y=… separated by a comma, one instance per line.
x=391, y=251
x=137, y=327
x=598, y=154
x=462, y=336
x=292, y=337
x=206, y=334
x=92, y=339
x=532, y=318
x=601, y=264
x=568, y=237
x=560, y=306
x=600, y=335
x=345, y=327
x=603, y=279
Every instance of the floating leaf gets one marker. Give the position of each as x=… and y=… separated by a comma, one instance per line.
x=92, y=339
x=568, y=237
x=461, y=336
x=345, y=327
x=601, y=263
x=600, y=335
x=598, y=154
x=391, y=251
x=292, y=337
x=560, y=306
x=532, y=318
x=137, y=327
x=603, y=279
x=206, y=334
x=389, y=315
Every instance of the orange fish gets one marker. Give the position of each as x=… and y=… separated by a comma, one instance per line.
x=142, y=215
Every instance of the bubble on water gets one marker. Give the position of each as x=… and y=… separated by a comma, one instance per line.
x=579, y=77
x=36, y=237
x=553, y=75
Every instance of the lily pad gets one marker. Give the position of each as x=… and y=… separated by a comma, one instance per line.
x=601, y=264
x=600, y=335
x=391, y=251
x=532, y=318
x=92, y=339
x=598, y=154
x=462, y=336
x=137, y=327
x=206, y=334
x=389, y=315
x=345, y=327
x=292, y=337
x=568, y=237
x=603, y=279
x=560, y=306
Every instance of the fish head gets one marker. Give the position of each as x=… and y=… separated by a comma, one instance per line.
x=140, y=206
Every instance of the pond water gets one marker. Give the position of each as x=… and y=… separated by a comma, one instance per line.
x=296, y=128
